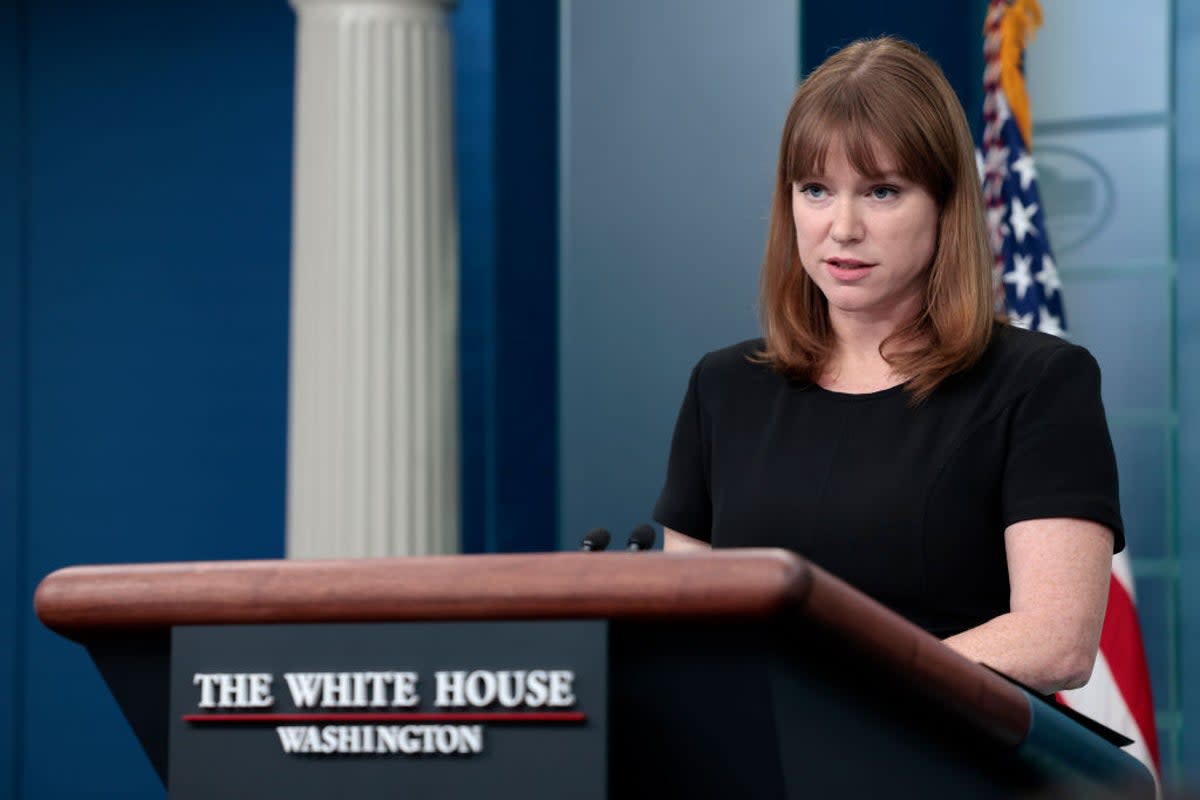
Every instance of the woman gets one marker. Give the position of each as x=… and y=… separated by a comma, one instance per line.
x=958, y=470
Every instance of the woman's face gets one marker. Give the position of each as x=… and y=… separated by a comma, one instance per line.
x=865, y=242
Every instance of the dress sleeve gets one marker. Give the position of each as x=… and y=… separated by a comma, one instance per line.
x=685, y=504
x=1061, y=461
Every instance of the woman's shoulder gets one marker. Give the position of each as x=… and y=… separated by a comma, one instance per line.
x=735, y=358
x=1016, y=360
x=735, y=368
x=1017, y=348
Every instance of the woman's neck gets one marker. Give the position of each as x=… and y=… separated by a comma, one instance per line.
x=856, y=364
x=859, y=375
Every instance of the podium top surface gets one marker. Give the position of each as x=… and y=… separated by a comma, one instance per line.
x=86, y=600
x=90, y=603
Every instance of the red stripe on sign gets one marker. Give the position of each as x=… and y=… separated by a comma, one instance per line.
x=498, y=716
x=1121, y=643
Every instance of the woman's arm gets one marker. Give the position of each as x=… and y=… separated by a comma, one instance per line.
x=674, y=541
x=1058, y=576
x=1058, y=572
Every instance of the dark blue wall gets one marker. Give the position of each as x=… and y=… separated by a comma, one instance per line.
x=507, y=113
x=526, y=281
x=145, y=182
x=12, y=366
x=950, y=31
x=475, y=150
x=145, y=163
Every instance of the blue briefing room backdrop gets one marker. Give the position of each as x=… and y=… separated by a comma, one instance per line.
x=614, y=162
x=146, y=184
x=145, y=178
x=1185, y=167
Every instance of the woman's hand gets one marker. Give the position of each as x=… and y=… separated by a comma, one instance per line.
x=676, y=542
x=1058, y=572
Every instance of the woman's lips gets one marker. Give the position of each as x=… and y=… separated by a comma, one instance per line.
x=848, y=269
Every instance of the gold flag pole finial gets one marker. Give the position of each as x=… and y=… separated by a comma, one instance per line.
x=1021, y=19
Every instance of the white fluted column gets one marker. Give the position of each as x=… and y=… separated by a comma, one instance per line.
x=373, y=423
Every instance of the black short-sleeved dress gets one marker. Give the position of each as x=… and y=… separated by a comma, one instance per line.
x=907, y=504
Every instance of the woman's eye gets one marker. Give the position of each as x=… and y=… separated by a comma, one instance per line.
x=884, y=192
x=813, y=191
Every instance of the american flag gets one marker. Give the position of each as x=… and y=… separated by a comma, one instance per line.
x=1028, y=288
x=1025, y=270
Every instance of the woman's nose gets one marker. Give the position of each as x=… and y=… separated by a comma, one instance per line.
x=847, y=223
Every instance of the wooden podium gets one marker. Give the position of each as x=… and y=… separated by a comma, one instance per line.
x=746, y=673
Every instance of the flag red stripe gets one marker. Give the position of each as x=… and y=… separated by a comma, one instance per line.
x=1121, y=643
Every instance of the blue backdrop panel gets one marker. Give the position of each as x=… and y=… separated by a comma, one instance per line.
x=12, y=181
x=160, y=163
x=506, y=72
x=1187, y=187
x=526, y=281
x=671, y=118
x=474, y=126
x=950, y=31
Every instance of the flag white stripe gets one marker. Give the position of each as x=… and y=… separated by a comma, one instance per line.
x=1101, y=700
x=1123, y=570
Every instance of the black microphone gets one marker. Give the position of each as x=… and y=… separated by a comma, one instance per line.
x=642, y=538
x=596, y=539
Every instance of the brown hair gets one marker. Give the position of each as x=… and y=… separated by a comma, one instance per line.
x=883, y=92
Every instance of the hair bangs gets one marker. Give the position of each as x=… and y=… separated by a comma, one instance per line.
x=849, y=116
